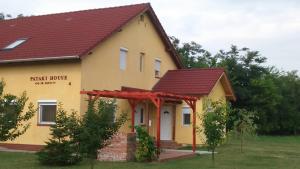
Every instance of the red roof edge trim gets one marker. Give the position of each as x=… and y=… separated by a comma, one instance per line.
x=165, y=37
x=215, y=82
x=232, y=94
x=114, y=31
x=160, y=30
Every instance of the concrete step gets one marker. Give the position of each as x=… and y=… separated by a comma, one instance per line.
x=169, y=144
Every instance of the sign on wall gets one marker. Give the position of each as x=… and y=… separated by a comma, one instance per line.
x=46, y=80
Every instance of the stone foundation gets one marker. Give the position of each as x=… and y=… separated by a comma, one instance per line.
x=122, y=148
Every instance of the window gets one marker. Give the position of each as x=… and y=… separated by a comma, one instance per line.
x=47, y=111
x=157, y=68
x=15, y=44
x=142, y=58
x=123, y=55
x=142, y=116
x=186, y=116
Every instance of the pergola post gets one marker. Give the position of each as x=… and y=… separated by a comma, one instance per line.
x=158, y=107
x=192, y=104
x=133, y=104
x=194, y=127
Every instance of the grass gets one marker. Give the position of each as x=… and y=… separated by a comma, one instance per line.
x=261, y=152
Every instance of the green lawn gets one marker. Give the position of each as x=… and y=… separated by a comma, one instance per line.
x=262, y=152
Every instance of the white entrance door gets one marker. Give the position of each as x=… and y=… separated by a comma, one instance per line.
x=166, y=123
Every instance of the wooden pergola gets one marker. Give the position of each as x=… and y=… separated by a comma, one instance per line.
x=157, y=98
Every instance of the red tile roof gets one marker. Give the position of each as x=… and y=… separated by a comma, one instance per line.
x=192, y=81
x=70, y=34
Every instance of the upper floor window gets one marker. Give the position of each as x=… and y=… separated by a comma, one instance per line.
x=47, y=111
x=157, y=65
x=123, y=58
x=15, y=44
x=141, y=65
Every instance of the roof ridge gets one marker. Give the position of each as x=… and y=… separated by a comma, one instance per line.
x=78, y=11
x=195, y=69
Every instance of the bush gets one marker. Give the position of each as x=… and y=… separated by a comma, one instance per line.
x=98, y=126
x=62, y=149
x=146, y=150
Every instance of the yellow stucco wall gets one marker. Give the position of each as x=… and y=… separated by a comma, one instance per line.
x=101, y=70
x=17, y=79
x=184, y=133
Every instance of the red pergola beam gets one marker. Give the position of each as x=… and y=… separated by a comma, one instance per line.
x=143, y=95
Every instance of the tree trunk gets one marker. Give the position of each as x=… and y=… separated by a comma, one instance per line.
x=213, y=156
x=92, y=163
x=242, y=140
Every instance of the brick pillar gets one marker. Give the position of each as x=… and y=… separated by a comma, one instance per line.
x=121, y=148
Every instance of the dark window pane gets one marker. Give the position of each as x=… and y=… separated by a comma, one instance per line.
x=142, y=116
x=48, y=113
x=186, y=119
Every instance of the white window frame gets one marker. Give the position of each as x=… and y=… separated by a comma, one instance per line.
x=15, y=44
x=41, y=103
x=123, y=58
x=157, y=68
x=184, y=112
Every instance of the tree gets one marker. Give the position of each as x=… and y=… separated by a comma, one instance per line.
x=9, y=16
x=288, y=115
x=98, y=126
x=192, y=54
x=2, y=16
x=62, y=148
x=258, y=88
x=243, y=125
x=13, y=121
x=214, y=124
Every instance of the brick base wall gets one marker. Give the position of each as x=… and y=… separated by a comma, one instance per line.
x=26, y=147
x=122, y=148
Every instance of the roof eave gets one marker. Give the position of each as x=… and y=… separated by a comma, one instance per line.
x=40, y=59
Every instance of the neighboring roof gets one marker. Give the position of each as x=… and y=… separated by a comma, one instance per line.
x=70, y=35
x=133, y=89
x=195, y=82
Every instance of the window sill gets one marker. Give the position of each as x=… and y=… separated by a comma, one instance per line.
x=186, y=125
x=45, y=124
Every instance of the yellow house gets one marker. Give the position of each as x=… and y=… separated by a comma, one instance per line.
x=54, y=57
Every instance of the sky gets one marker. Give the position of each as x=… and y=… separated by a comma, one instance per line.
x=269, y=26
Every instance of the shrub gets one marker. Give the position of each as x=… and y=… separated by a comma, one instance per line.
x=13, y=120
x=62, y=149
x=146, y=150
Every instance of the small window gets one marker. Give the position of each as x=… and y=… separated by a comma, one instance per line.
x=47, y=111
x=142, y=58
x=157, y=68
x=14, y=44
x=186, y=116
x=142, y=116
x=123, y=57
